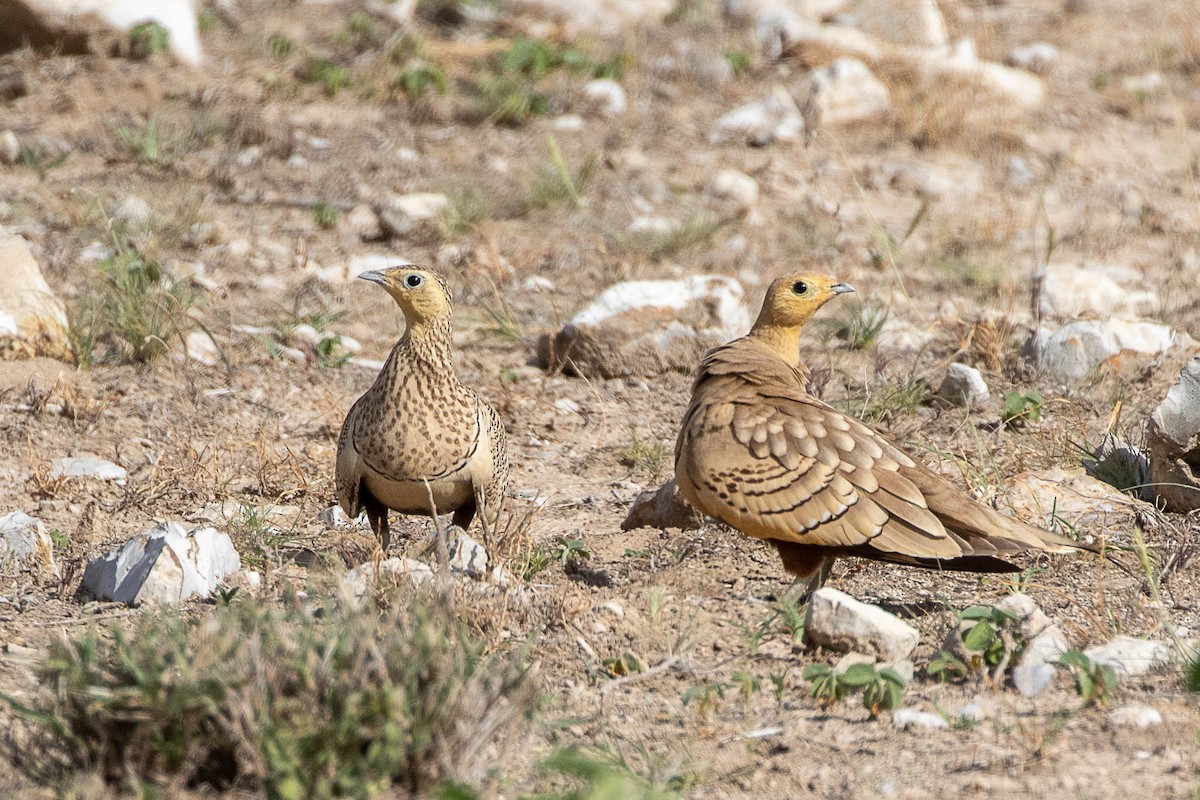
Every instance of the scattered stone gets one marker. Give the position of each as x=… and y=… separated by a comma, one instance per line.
x=1069, y=494
x=1104, y=289
x=1038, y=58
x=334, y=517
x=839, y=622
x=10, y=147
x=1018, y=175
x=133, y=212
x=467, y=555
x=1035, y=669
x=571, y=18
x=405, y=215
x=605, y=97
x=812, y=43
x=662, y=508
x=1031, y=620
x=1032, y=679
x=736, y=188
x=567, y=122
x=1174, y=442
x=905, y=718
x=23, y=539
x=68, y=27
x=88, y=467
x=1121, y=465
x=845, y=91
x=996, y=89
x=33, y=321
x=1074, y=350
x=1134, y=716
x=1130, y=656
x=645, y=328
x=907, y=22
x=1146, y=85
x=776, y=118
x=964, y=386
x=164, y=564
x=363, y=222
x=200, y=347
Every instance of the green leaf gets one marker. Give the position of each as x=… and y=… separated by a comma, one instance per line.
x=977, y=612
x=814, y=671
x=980, y=637
x=892, y=677
x=1074, y=658
x=858, y=675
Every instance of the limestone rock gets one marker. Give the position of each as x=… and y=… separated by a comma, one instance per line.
x=88, y=467
x=10, y=147
x=906, y=22
x=164, y=564
x=735, y=188
x=24, y=542
x=72, y=26
x=662, y=508
x=1174, y=442
x=605, y=97
x=964, y=386
x=816, y=44
x=406, y=215
x=1072, y=351
x=571, y=18
x=1071, y=495
x=839, y=622
x=363, y=223
x=1038, y=58
x=33, y=321
x=845, y=91
x=646, y=328
x=1130, y=656
x=996, y=89
x=1102, y=289
x=467, y=555
x=905, y=718
x=1035, y=669
x=1134, y=716
x=776, y=118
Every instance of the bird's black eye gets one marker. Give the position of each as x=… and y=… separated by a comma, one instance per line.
x=800, y=287
x=413, y=280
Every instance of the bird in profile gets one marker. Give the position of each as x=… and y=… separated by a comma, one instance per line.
x=761, y=454
x=418, y=441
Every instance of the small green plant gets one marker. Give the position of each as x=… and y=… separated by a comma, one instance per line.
x=1020, y=409
x=889, y=400
x=1191, y=673
x=779, y=684
x=508, y=99
x=882, y=687
x=149, y=38
x=569, y=551
x=142, y=141
x=325, y=215
x=418, y=77
x=206, y=22
x=738, y=60
x=534, y=560
x=332, y=76
x=698, y=230
x=131, y=311
x=470, y=207
x=1093, y=682
x=860, y=327
x=647, y=455
x=330, y=352
x=623, y=665
x=557, y=183
x=60, y=540
x=33, y=157
x=945, y=667
x=747, y=684
x=280, y=46
x=596, y=777
x=707, y=697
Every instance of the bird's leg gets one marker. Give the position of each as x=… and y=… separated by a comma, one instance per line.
x=465, y=514
x=443, y=549
x=377, y=516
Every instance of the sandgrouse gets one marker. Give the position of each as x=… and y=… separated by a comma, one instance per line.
x=417, y=426
x=761, y=454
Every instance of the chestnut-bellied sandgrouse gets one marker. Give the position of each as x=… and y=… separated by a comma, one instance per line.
x=418, y=432
x=761, y=454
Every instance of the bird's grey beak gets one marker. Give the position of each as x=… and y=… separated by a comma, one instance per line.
x=837, y=288
x=374, y=276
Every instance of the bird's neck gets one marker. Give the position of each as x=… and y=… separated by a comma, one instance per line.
x=425, y=343
x=784, y=340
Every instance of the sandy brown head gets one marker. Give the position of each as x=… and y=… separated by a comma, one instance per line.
x=792, y=299
x=422, y=294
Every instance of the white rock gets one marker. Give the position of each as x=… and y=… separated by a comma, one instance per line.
x=1134, y=716
x=595, y=18
x=10, y=147
x=334, y=517
x=538, y=283
x=88, y=467
x=995, y=87
x=744, y=11
x=736, y=187
x=605, y=97
x=775, y=118
x=1018, y=175
x=405, y=214
x=649, y=327
x=33, y=320
x=567, y=122
x=1032, y=679
x=1149, y=84
x=846, y=91
x=401, y=12
x=1069, y=290
x=838, y=621
x=651, y=225
x=467, y=555
x=1174, y=442
x=1038, y=58
x=814, y=43
x=907, y=22
x=905, y=718
x=23, y=539
x=1130, y=656
x=200, y=347
x=164, y=564
x=964, y=386
x=364, y=579
x=1069, y=494
x=133, y=211
x=1035, y=669
x=65, y=25
x=1074, y=350
x=566, y=405
x=363, y=222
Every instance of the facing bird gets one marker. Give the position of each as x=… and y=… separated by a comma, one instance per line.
x=761, y=454
x=418, y=431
